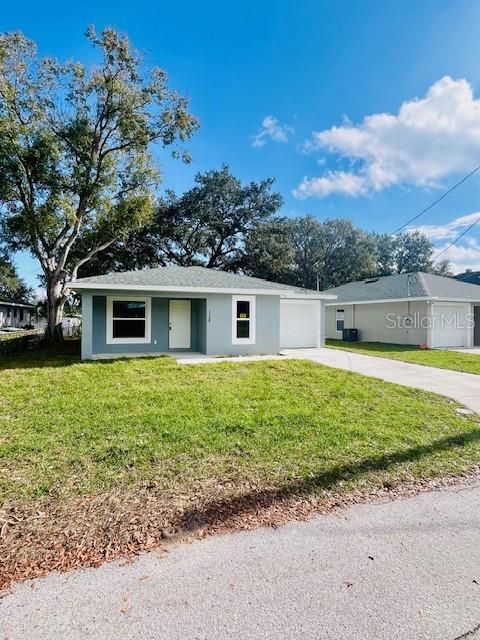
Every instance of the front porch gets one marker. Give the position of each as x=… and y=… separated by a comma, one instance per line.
x=135, y=325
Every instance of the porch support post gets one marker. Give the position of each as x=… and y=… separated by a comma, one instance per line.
x=321, y=324
x=87, y=326
x=430, y=327
x=470, y=326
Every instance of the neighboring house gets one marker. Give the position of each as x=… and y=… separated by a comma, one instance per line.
x=15, y=313
x=412, y=308
x=195, y=309
x=472, y=277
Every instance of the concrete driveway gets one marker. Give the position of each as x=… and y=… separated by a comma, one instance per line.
x=402, y=570
x=462, y=387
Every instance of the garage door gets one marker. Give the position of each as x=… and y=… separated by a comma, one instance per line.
x=299, y=323
x=450, y=324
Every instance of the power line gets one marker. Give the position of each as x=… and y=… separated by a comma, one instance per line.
x=465, y=231
x=420, y=213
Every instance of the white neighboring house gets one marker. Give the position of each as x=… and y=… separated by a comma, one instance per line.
x=15, y=313
x=412, y=308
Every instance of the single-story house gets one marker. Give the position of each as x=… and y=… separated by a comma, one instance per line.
x=14, y=313
x=195, y=309
x=411, y=308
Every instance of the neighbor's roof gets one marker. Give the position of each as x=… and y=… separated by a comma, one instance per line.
x=406, y=285
x=473, y=277
x=16, y=303
x=186, y=279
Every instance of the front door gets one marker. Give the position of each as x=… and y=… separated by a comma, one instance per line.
x=476, y=330
x=179, y=324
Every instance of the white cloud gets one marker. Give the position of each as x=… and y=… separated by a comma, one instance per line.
x=331, y=182
x=462, y=256
x=271, y=129
x=449, y=230
x=465, y=254
x=429, y=139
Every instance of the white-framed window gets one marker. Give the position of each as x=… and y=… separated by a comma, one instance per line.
x=340, y=319
x=128, y=319
x=243, y=319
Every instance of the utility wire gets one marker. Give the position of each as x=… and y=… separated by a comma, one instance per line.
x=420, y=213
x=465, y=231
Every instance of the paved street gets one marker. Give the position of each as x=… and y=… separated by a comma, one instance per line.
x=402, y=570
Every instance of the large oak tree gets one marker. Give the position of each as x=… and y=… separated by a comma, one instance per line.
x=208, y=225
x=76, y=165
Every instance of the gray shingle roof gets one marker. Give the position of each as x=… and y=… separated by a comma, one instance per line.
x=406, y=285
x=188, y=277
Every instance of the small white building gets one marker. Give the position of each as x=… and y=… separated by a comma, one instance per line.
x=412, y=308
x=15, y=313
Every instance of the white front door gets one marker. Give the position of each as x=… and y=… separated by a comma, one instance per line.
x=179, y=324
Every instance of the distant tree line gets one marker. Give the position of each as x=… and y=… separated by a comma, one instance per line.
x=222, y=223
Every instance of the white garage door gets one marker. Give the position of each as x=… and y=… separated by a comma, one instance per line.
x=450, y=324
x=299, y=323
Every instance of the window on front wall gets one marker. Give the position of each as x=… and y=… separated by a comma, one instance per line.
x=340, y=319
x=128, y=320
x=243, y=320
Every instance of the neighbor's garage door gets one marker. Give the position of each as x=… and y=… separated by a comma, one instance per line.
x=450, y=325
x=299, y=323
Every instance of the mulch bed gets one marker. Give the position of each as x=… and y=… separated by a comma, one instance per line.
x=86, y=532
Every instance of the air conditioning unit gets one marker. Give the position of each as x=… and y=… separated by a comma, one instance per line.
x=350, y=335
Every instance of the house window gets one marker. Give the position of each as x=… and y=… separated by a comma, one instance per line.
x=21, y=315
x=340, y=319
x=128, y=320
x=243, y=319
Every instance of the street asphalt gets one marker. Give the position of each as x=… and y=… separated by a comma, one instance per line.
x=407, y=569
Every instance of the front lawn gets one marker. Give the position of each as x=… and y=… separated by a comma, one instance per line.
x=454, y=360
x=98, y=446
x=72, y=428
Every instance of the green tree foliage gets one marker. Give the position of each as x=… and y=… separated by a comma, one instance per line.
x=309, y=253
x=76, y=171
x=12, y=287
x=269, y=251
x=208, y=226
x=407, y=252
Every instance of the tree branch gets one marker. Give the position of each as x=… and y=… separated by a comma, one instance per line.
x=89, y=256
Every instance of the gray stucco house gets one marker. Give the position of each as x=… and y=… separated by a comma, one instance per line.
x=195, y=309
x=411, y=308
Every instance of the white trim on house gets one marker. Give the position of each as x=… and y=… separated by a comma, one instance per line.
x=109, y=320
x=252, y=320
x=174, y=289
x=342, y=303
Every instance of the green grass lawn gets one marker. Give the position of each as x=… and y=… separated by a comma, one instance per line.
x=71, y=428
x=454, y=360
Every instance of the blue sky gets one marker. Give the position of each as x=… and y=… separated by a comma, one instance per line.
x=328, y=81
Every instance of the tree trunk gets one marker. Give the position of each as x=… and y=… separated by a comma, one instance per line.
x=55, y=304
